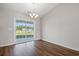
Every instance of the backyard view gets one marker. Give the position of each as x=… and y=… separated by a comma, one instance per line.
x=24, y=29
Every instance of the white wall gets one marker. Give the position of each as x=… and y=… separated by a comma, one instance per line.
x=7, y=26
x=37, y=29
x=61, y=26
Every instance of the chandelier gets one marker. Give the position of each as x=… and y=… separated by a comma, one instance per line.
x=32, y=13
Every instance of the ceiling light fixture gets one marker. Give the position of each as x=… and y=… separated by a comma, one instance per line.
x=32, y=13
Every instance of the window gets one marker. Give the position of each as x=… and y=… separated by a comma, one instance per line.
x=24, y=29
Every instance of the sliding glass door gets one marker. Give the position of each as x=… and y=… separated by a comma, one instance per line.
x=24, y=30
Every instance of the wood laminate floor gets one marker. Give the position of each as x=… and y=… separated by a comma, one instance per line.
x=37, y=48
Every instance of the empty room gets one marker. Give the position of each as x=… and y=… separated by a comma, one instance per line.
x=39, y=29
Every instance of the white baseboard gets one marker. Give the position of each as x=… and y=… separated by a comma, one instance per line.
x=3, y=45
x=63, y=45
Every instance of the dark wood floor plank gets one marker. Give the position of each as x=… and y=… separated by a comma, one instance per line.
x=37, y=48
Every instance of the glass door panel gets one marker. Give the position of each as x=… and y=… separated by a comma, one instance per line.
x=24, y=30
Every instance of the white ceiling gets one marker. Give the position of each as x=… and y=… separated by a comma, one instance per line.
x=40, y=8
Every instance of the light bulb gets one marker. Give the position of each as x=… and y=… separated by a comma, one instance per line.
x=36, y=16
x=33, y=14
